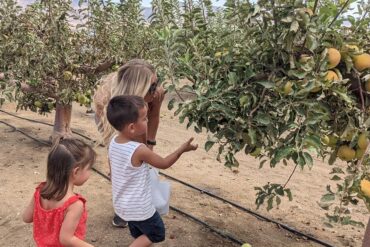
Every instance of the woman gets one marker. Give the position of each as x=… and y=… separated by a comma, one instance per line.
x=136, y=77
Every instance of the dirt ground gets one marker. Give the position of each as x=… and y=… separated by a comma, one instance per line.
x=23, y=163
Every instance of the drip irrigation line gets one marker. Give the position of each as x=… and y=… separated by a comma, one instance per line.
x=215, y=230
x=257, y=215
x=211, y=228
x=24, y=133
x=101, y=174
x=46, y=143
x=40, y=122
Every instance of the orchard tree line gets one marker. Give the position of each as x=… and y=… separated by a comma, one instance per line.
x=283, y=81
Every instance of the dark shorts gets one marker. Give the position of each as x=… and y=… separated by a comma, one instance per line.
x=153, y=228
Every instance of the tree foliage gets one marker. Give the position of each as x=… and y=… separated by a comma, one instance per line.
x=53, y=53
x=279, y=80
x=259, y=74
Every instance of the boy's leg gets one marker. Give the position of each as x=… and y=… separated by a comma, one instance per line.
x=118, y=222
x=148, y=231
x=142, y=241
x=153, y=228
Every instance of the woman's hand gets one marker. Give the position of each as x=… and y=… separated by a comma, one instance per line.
x=156, y=97
x=154, y=113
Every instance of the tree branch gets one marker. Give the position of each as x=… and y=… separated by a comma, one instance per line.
x=336, y=17
x=340, y=12
x=28, y=89
x=360, y=91
x=259, y=103
x=100, y=68
x=291, y=175
x=315, y=6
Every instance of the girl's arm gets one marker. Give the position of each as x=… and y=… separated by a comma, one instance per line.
x=69, y=225
x=143, y=153
x=27, y=215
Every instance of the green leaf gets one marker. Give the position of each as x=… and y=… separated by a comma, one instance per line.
x=333, y=157
x=311, y=42
x=328, y=197
x=367, y=123
x=344, y=96
x=313, y=140
x=278, y=200
x=171, y=88
x=297, y=73
x=325, y=205
x=262, y=163
x=171, y=104
x=294, y=26
x=327, y=224
x=289, y=193
x=244, y=100
x=337, y=170
x=252, y=136
x=335, y=178
x=208, y=145
x=285, y=162
x=299, y=159
x=197, y=129
x=307, y=89
x=280, y=191
x=269, y=203
x=266, y=84
x=282, y=153
x=263, y=119
x=287, y=19
x=307, y=157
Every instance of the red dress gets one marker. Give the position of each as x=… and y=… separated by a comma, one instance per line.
x=47, y=223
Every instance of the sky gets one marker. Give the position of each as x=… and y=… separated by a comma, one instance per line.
x=146, y=3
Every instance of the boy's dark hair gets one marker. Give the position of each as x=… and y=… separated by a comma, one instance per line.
x=64, y=156
x=123, y=110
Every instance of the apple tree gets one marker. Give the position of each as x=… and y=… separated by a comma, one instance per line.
x=281, y=81
x=55, y=52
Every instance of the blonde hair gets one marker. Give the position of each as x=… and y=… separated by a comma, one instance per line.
x=133, y=78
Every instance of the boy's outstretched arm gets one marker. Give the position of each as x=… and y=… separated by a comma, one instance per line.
x=27, y=215
x=143, y=153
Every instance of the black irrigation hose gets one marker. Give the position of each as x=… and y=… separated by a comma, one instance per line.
x=46, y=143
x=211, y=228
x=257, y=215
x=215, y=230
x=101, y=174
x=24, y=133
x=261, y=217
x=40, y=122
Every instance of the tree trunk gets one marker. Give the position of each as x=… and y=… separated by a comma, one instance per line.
x=62, y=122
x=366, y=242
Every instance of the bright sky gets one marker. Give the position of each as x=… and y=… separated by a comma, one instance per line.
x=146, y=3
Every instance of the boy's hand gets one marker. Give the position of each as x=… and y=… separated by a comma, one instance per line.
x=188, y=146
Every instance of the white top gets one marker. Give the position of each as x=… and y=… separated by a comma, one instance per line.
x=132, y=199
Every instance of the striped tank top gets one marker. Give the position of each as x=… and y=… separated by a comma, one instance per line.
x=131, y=191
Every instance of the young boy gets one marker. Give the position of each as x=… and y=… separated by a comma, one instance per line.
x=129, y=159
